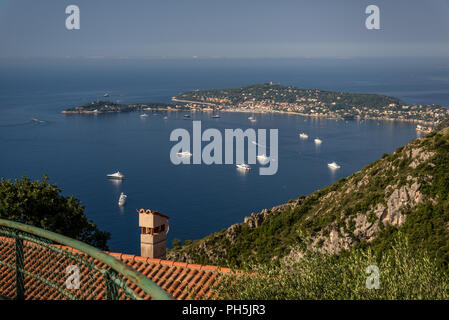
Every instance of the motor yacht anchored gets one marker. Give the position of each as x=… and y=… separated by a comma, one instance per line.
x=243, y=166
x=117, y=175
x=333, y=165
x=122, y=199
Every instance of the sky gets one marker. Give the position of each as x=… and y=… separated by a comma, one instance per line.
x=225, y=29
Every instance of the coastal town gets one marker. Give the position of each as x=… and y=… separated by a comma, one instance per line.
x=313, y=103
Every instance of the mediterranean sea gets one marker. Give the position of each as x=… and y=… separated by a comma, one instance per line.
x=77, y=151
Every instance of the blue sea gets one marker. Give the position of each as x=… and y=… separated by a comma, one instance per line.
x=77, y=151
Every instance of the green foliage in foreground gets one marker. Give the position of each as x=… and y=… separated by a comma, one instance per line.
x=404, y=274
x=40, y=204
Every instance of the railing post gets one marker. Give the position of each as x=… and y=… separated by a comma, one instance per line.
x=111, y=286
x=20, y=281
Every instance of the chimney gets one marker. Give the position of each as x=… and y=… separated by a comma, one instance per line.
x=153, y=231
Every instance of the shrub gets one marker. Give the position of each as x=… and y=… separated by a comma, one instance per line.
x=404, y=274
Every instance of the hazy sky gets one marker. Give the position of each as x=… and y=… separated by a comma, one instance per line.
x=226, y=28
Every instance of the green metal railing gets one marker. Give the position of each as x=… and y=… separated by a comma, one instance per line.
x=40, y=264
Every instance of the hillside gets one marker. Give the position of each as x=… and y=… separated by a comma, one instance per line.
x=406, y=190
x=289, y=94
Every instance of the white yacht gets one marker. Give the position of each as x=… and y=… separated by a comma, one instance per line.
x=106, y=95
x=118, y=175
x=263, y=159
x=216, y=116
x=253, y=120
x=122, y=199
x=143, y=115
x=318, y=141
x=184, y=154
x=333, y=165
x=303, y=135
x=165, y=118
x=243, y=166
x=423, y=129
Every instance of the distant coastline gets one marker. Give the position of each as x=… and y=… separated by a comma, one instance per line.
x=236, y=110
x=273, y=98
x=100, y=107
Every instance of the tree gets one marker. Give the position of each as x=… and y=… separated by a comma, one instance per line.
x=40, y=204
x=176, y=243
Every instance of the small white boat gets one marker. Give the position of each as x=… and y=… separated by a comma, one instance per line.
x=216, y=116
x=250, y=118
x=423, y=129
x=106, y=95
x=122, y=199
x=333, y=165
x=263, y=159
x=318, y=141
x=253, y=120
x=144, y=115
x=187, y=116
x=165, y=118
x=118, y=175
x=243, y=166
x=184, y=154
x=303, y=135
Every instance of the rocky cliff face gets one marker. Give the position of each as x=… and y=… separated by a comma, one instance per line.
x=353, y=210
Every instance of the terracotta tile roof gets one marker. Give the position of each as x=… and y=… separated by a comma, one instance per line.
x=148, y=211
x=181, y=280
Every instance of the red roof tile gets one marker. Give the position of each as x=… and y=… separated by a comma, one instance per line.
x=148, y=211
x=181, y=280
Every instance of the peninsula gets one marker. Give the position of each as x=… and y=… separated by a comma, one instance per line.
x=271, y=97
x=277, y=98
x=96, y=107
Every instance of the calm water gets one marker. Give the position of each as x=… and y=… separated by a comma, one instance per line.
x=78, y=151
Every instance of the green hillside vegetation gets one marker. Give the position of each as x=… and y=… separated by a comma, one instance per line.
x=290, y=94
x=403, y=273
x=112, y=107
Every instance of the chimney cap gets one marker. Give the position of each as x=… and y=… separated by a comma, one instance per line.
x=148, y=211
